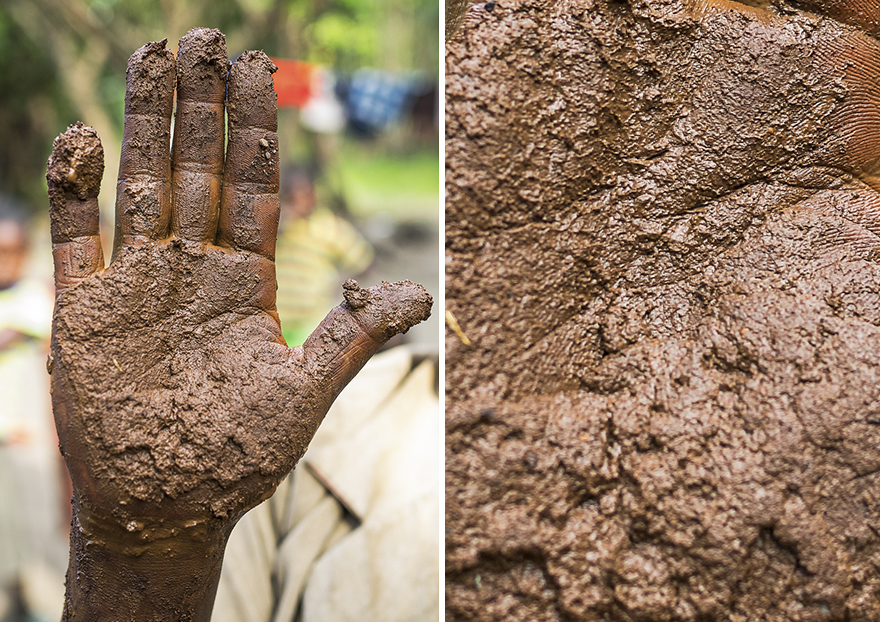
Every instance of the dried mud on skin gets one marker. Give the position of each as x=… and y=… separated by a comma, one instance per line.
x=177, y=403
x=661, y=240
x=183, y=353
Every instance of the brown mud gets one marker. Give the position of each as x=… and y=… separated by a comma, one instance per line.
x=663, y=220
x=177, y=402
x=197, y=152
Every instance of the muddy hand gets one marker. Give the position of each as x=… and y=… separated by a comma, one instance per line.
x=731, y=117
x=177, y=402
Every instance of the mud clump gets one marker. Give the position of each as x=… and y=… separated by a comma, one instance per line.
x=78, y=165
x=661, y=240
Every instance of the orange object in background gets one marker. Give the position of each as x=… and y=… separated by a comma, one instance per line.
x=293, y=82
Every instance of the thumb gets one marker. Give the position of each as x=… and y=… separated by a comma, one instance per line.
x=354, y=331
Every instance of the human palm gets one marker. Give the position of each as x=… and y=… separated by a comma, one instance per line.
x=178, y=404
x=665, y=152
x=663, y=224
x=184, y=394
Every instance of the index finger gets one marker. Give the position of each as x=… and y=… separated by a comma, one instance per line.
x=143, y=192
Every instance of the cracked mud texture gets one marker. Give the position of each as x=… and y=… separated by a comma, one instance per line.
x=663, y=220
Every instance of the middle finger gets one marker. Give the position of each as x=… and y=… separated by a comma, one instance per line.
x=197, y=154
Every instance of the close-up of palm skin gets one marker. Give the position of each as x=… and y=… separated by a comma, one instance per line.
x=663, y=225
x=773, y=106
x=178, y=404
x=825, y=138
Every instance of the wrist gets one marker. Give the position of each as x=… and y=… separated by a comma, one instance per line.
x=143, y=571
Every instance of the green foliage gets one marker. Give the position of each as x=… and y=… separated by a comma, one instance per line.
x=404, y=184
x=342, y=41
x=63, y=60
x=30, y=103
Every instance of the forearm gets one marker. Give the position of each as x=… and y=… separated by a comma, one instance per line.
x=159, y=573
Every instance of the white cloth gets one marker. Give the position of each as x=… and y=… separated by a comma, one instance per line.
x=31, y=518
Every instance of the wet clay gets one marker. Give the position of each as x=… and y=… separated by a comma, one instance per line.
x=177, y=402
x=662, y=222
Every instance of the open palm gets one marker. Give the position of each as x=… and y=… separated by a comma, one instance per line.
x=178, y=404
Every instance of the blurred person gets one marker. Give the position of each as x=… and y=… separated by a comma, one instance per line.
x=31, y=522
x=317, y=250
x=25, y=305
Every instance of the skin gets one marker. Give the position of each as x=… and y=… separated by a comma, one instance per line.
x=455, y=12
x=662, y=238
x=177, y=403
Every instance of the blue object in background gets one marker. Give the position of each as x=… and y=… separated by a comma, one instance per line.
x=375, y=99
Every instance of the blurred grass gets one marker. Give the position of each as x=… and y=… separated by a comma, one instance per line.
x=403, y=185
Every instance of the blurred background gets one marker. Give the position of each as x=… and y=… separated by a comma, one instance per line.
x=359, y=136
